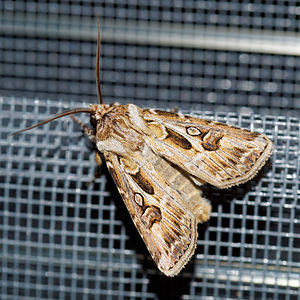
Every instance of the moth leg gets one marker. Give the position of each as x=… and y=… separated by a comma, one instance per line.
x=98, y=159
x=91, y=135
x=97, y=172
x=89, y=132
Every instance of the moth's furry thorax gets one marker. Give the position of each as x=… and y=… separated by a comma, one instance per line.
x=115, y=128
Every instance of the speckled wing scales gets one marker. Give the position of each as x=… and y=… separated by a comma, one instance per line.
x=211, y=152
x=166, y=224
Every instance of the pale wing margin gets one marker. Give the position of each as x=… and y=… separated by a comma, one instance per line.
x=167, y=227
x=211, y=152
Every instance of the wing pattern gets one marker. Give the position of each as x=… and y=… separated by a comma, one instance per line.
x=167, y=226
x=212, y=152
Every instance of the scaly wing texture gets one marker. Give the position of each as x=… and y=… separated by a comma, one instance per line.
x=211, y=152
x=166, y=224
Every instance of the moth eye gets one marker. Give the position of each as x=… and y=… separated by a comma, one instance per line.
x=193, y=131
x=139, y=199
x=93, y=121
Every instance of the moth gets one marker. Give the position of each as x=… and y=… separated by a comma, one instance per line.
x=158, y=161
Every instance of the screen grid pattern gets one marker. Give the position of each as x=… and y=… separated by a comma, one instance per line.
x=233, y=61
x=62, y=239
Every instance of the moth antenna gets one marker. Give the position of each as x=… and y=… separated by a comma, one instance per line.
x=98, y=63
x=62, y=114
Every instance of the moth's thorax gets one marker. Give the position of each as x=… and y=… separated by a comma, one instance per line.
x=117, y=127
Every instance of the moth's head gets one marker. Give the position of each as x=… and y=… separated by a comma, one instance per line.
x=103, y=118
x=98, y=111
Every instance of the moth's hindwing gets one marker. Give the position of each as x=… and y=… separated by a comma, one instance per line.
x=212, y=152
x=160, y=213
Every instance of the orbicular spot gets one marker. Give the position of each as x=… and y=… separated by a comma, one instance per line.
x=197, y=132
x=150, y=215
x=193, y=131
x=143, y=183
x=178, y=139
x=139, y=199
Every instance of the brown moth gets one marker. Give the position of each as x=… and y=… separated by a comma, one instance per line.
x=159, y=159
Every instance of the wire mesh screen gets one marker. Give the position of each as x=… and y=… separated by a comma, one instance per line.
x=62, y=239
x=232, y=61
x=230, y=56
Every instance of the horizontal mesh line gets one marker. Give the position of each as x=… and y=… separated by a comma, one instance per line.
x=153, y=33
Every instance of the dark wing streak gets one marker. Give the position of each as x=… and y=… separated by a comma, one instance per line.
x=207, y=156
x=230, y=155
x=162, y=244
x=232, y=136
x=186, y=157
x=222, y=168
x=262, y=149
x=173, y=226
x=126, y=183
x=234, y=158
x=176, y=246
x=171, y=232
x=229, y=163
x=138, y=161
x=241, y=146
x=178, y=229
x=196, y=147
x=203, y=152
x=165, y=121
x=157, y=203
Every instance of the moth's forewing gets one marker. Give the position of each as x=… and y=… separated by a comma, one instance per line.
x=212, y=152
x=167, y=226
